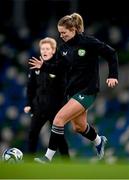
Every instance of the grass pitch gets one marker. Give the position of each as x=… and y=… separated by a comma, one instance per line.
x=65, y=170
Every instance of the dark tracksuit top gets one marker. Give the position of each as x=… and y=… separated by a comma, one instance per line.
x=45, y=92
x=80, y=59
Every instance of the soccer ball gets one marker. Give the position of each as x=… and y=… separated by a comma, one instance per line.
x=12, y=155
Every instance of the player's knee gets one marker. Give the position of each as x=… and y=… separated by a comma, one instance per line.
x=59, y=120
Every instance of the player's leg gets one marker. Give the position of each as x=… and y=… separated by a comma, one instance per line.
x=68, y=112
x=87, y=101
x=36, y=124
x=63, y=147
x=81, y=126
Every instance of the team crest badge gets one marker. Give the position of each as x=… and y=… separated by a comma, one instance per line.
x=81, y=52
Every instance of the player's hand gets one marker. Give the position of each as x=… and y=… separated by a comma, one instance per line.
x=35, y=63
x=111, y=82
x=27, y=109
